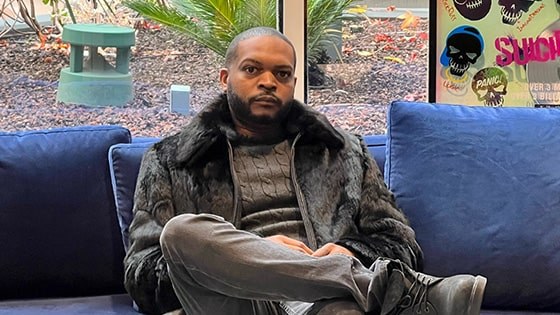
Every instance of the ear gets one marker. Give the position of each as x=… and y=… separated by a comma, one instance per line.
x=224, y=75
x=294, y=88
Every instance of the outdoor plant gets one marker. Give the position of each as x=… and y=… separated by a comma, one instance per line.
x=62, y=13
x=17, y=11
x=86, y=11
x=214, y=23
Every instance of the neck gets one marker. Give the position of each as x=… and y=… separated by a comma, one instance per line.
x=266, y=134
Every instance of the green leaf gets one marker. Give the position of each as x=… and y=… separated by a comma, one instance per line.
x=214, y=23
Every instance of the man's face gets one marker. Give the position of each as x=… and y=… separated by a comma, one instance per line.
x=260, y=81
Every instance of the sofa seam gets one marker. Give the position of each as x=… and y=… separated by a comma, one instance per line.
x=88, y=129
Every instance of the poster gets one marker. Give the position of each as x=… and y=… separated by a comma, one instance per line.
x=495, y=52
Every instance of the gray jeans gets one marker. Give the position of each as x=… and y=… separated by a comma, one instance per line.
x=218, y=269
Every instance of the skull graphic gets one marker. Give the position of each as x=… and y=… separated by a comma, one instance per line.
x=463, y=47
x=473, y=10
x=512, y=10
x=490, y=86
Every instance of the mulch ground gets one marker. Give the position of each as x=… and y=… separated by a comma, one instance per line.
x=380, y=63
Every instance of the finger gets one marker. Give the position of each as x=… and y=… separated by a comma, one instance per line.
x=296, y=248
x=308, y=250
x=299, y=249
x=323, y=251
x=331, y=249
x=296, y=243
x=291, y=243
x=302, y=247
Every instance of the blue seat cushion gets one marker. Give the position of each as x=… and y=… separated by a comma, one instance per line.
x=120, y=304
x=59, y=234
x=481, y=187
x=124, y=164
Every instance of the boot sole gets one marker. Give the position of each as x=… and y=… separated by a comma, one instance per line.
x=477, y=293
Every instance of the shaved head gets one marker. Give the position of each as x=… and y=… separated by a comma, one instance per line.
x=231, y=53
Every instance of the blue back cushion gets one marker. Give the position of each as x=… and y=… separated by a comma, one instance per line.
x=58, y=230
x=376, y=147
x=124, y=163
x=481, y=187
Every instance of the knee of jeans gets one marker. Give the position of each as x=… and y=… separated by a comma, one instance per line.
x=336, y=307
x=187, y=231
x=184, y=230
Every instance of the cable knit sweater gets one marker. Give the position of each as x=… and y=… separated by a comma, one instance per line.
x=268, y=201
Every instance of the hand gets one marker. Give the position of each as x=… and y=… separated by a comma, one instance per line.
x=290, y=243
x=332, y=249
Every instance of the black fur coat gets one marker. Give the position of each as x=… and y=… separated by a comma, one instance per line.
x=345, y=200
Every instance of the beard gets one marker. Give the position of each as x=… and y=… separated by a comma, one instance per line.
x=242, y=110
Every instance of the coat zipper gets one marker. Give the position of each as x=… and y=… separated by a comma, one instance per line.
x=301, y=199
x=236, y=214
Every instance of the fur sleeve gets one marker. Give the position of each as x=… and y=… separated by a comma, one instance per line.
x=384, y=230
x=146, y=278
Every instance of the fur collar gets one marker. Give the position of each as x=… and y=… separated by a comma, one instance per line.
x=214, y=123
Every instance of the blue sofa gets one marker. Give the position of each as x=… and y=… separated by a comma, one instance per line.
x=481, y=187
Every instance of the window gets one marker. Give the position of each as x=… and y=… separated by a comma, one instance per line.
x=381, y=58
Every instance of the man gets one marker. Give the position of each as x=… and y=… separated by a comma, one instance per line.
x=260, y=206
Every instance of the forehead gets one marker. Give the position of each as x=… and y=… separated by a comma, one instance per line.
x=266, y=49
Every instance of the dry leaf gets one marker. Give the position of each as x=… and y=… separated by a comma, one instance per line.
x=380, y=37
x=395, y=59
x=346, y=49
x=43, y=40
x=423, y=35
x=364, y=53
x=409, y=20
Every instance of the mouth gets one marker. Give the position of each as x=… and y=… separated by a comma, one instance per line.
x=266, y=100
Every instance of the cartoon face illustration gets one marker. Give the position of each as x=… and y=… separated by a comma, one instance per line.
x=512, y=10
x=473, y=10
x=490, y=86
x=463, y=47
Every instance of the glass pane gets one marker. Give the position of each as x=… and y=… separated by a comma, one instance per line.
x=380, y=61
x=384, y=58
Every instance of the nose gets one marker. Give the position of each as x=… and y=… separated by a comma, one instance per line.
x=267, y=81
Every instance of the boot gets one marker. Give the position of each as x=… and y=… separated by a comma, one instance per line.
x=411, y=292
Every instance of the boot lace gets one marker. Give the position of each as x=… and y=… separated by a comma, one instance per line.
x=416, y=299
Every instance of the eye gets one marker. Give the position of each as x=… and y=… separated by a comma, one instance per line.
x=284, y=74
x=472, y=56
x=250, y=69
x=453, y=50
